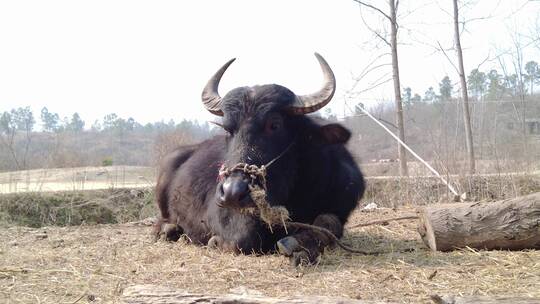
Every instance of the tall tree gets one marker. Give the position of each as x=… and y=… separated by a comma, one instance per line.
x=49, y=121
x=446, y=88
x=533, y=74
x=110, y=121
x=430, y=95
x=130, y=124
x=6, y=123
x=23, y=118
x=8, y=129
x=510, y=84
x=17, y=121
x=464, y=95
x=477, y=83
x=391, y=17
x=96, y=126
x=76, y=124
x=495, y=85
x=407, y=96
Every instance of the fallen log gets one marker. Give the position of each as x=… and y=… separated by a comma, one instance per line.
x=511, y=224
x=483, y=300
x=151, y=294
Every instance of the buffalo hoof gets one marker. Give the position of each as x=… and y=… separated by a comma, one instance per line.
x=215, y=242
x=288, y=245
x=301, y=258
x=298, y=254
x=166, y=231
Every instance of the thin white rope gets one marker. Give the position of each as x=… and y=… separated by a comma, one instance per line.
x=450, y=187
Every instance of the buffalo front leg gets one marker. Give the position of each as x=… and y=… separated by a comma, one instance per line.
x=305, y=246
x=167, y=231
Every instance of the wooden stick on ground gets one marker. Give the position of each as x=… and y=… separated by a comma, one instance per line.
x=150, y=294
x=511, y=224
x=384, y=222
x=482, y=300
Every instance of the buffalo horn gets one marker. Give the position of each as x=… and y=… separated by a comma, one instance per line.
x=210, y=95
x=305, y=104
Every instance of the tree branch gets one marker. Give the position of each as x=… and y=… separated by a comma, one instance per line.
x=373, y=8
x=383, y=39
x=446, y=55
x=373, y=86
x=368, y=69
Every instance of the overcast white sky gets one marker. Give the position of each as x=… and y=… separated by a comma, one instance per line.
x=150, y=59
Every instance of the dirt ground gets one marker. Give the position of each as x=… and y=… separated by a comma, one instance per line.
x=93, y=264
x=76, y=179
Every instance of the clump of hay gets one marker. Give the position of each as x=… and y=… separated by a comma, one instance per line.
x=271, y=215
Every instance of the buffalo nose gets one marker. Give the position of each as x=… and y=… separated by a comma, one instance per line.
x=234, y=190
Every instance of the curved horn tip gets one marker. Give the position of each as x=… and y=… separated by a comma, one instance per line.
x=319, y=57
x=324, y=64
x=210, y=95
x=310, y=103
x=224, y=67
x=231, y=61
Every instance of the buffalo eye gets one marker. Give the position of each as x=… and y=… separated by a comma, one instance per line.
x=273, y=124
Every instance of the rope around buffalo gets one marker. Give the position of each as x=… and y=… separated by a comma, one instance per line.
x=279, y=215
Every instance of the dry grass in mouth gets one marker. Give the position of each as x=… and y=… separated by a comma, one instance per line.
x=93, y=264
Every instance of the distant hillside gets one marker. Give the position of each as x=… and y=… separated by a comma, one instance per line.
x=94, y=148
x=506, y=134
x=506, y=137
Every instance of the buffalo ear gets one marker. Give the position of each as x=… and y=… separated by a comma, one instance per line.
x=332, y=134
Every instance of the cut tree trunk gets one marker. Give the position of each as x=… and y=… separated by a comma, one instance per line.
x=483, y=300
x=151, y=294
x=511, y=224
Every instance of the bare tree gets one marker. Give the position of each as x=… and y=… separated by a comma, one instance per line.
x=392, y=19
x=8, y=130
x=517, y=62
x=20, y=120
x=464, y=95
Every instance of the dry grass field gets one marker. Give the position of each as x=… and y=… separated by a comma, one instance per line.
x=93, y=264
x=76, y=179
x=87, y=246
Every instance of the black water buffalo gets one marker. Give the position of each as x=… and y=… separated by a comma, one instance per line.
x=315, y=177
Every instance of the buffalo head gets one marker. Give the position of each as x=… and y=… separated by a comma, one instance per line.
x=267, y=121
